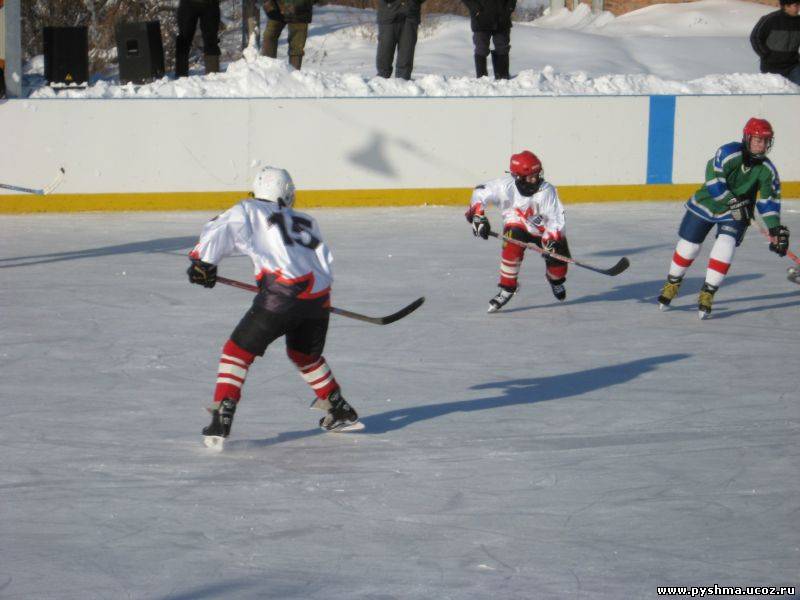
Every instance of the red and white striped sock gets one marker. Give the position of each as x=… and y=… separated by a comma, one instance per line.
x=683, y=257
x=720, y=259
x=556, y=271
x=510, y=263
x=316, y=372
x=232, y=372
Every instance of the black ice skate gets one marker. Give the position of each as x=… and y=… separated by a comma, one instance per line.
x=220, y=427
x=706, y=299
x=669, y=291
x=559, y=291
x=341, y=416
x=501, y=299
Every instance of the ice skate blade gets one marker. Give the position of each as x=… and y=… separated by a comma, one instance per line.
x=663, y=307
x=357, y=426
x=703, y=315
x=493, y=309
x=214, y=442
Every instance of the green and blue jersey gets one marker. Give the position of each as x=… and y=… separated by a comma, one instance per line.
x=729, y=176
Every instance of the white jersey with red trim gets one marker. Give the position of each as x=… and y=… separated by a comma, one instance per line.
x=538, y=214
x=281, y=242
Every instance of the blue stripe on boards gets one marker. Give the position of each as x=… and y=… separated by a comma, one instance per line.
x=661, y=139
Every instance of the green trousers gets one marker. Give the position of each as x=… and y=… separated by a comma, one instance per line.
x=298, y=32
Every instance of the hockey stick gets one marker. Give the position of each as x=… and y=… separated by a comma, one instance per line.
x=39, y=192
x=622, y=264
x=405, y=311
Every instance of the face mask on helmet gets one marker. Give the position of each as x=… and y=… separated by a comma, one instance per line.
x=528, y=186
x=759, y=153
x=526, y=168
x=754, y=130
x=274, y=185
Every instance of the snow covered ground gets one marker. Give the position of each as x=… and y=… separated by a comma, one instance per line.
x=693, y=48
x=595, y=449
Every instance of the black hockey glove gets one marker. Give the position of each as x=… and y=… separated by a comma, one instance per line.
x=480, y=226
x=202, y=273
x=779, y=240
x=741, y=209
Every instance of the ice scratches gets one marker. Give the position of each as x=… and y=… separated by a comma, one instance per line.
x=503, y=564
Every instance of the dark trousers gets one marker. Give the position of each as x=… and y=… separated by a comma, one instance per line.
x=189, y=13
x=260, y=327
x=402, y=35
x=694, y=229
x=501, y=38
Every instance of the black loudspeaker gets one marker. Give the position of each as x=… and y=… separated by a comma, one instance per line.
x=66, y=54
x=140, y=51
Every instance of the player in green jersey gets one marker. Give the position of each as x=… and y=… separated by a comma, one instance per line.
x=739, y=179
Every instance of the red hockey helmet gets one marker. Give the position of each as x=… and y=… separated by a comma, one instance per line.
x=758, y=128
x=525, y=164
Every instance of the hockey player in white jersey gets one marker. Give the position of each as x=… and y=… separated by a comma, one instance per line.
x=293, y=269
x=532, y=213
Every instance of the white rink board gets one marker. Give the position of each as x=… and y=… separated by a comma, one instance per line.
x=585, y=141
x=186, y=145
x=703, y=124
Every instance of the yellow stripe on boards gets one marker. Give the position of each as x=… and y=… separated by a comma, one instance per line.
x=209, y=201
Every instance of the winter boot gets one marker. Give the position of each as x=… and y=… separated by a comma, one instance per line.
x=296, y=60
x=706, y=299
x=341, y=416
x=559, y=291
x=500, y=65
x=221, y=421
x=481, y=70
x=501, y=299
x=669, y=291
x=211, y=62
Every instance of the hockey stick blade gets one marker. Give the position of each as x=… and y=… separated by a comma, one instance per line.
x=56, y=182
x=403, y=312
x=621, y=265
x=618, y=268
x=37, y=192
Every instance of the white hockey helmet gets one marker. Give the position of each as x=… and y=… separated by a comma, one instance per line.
x=275, y=185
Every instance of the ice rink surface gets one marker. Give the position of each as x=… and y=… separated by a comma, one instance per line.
x=594, y=449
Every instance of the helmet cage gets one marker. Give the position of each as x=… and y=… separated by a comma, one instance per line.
x=760, y=128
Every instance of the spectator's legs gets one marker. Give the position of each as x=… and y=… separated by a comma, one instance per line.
x=298, y=32
x=271, y=35
x=500, y=54
x=209, y=28
x=794, y=75
x=405, y=48
x=187, y=22
x=480, y=39
x=388, y=34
